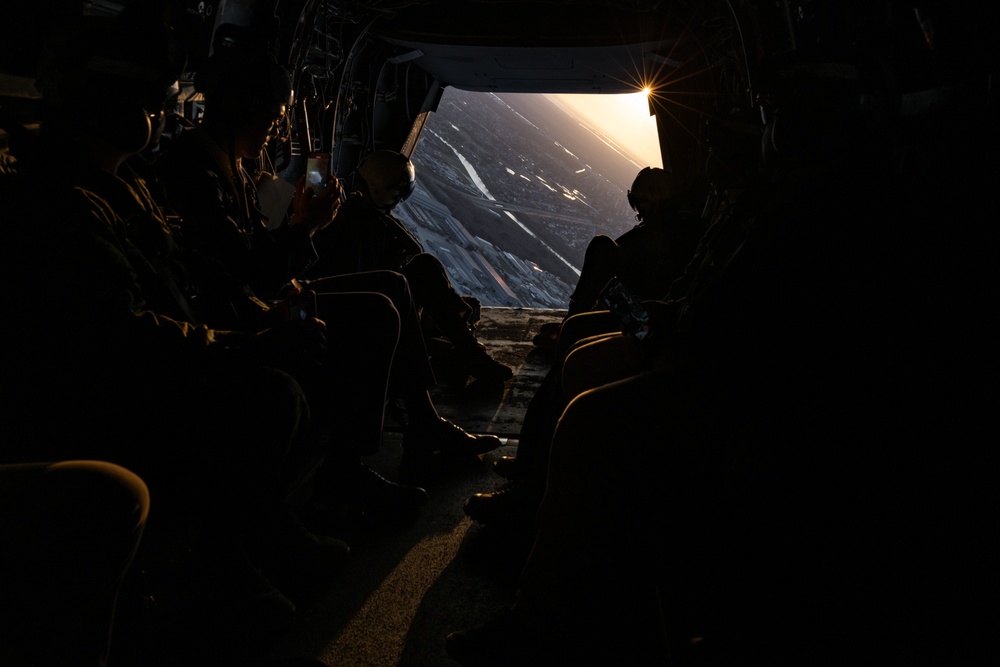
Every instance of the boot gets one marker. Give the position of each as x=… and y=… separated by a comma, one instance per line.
x=473, y=358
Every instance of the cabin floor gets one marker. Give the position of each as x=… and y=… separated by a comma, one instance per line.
x=407, y=585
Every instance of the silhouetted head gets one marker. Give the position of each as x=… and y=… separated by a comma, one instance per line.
x=389, y=178
x=109, y=78
x=651, y=192
x=246, y=91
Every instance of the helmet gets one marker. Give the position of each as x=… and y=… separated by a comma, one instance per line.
x=242, y=78
x=243, y=87
x=651, y=189
x=389, y=178
x=131, y=61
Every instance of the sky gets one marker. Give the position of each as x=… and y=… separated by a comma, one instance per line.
x=625, y=118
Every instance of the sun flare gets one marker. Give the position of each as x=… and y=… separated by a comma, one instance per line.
x=625, y=117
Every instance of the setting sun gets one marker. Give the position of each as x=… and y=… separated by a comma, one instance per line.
x=624, y=117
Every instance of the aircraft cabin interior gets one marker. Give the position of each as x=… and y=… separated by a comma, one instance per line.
x=835, y=501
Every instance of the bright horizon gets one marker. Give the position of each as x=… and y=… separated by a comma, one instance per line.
x=623, y=117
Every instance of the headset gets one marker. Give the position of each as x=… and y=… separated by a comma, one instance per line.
x=132, y=64
x=651, y=188
x=389, y=177
x=242, y=78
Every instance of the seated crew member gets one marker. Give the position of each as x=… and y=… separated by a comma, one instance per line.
x=354, y=379
x=601, y=355
x=678, y=241
x=627, y=463
x=630, y=475
x=591, y=351
x=367, y=237
x=733, y=171
x=206, y=182
x=773, y=519
x=647, y=258
x=354, y=488
x=102, y=373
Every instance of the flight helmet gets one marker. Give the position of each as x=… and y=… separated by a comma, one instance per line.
x=650, y=191
x=389, y=177
x=247, y=87
x=129, y=62
x=242, y=78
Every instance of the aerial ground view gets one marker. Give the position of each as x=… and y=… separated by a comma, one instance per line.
x=527, y=186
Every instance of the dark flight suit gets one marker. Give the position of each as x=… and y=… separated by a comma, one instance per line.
x=647, y=259
x=220, y=218
x=94, y=370
x=373, y=330
x=362, y=238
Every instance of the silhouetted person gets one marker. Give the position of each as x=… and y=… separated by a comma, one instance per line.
x=367, y=237
x=780, y=477
x=377, y=349
x=647, y=258
x=101, y=372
